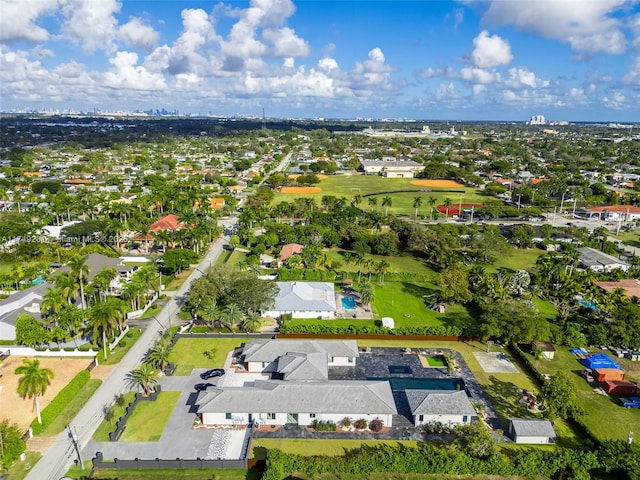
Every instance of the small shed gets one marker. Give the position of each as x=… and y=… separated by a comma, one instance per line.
x=620, y=387
x=547, y=349
x=388, y=322
x=531, y=430
x=602, y=374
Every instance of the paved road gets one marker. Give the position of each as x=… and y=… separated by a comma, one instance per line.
x=61, y=455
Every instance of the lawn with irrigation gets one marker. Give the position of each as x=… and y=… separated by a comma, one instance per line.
x=330, y=447
x=619, y=420
x=349, y=186
x=149, y=418
x=190, y=353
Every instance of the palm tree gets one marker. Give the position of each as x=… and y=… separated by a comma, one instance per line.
x=417, y=203
x=210, y=312
x=372, y=202
x=52, y=302
x=366, y=292
x=80, y=271
x=432, y=203
x=252, y=322
x=447, y=203
x=386, y=202
x=158, y=356
x=231, y=316
x=356, y=200
x=144, y=376
x=68, y=285
x=34, y=382
x=103, y=319
x=381, y=268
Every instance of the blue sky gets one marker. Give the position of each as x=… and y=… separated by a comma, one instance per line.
x=570, y=60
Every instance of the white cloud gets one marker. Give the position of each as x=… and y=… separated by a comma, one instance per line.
x=588, y=26
x=18, y=20
x=479, y=89
x=490, y=51
x=479, y=75
x=521, y=78
x=125, y=74
x=286, y=43
x=92, y=25
x=616, y=100
x=445, y=91
x=138, y=34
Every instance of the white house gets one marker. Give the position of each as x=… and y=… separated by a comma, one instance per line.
x=24, y=301
x=277, y=403
x=304, y=300
x=599, y=261
x=391, y=169
x=531, y=430
x=287, y=356
x=449, y=407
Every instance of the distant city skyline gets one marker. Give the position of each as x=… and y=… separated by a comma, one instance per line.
x=566, y=60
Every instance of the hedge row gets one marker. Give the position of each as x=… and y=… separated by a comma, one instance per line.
x=431, y=459
x=311, y=274
x=51, y=412
x=320, y=329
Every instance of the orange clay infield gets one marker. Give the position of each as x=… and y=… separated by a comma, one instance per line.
x=299, y=190
x=20, y=411
x=320, y=176
x=437, y=183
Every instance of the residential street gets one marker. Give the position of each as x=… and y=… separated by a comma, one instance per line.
x=61, y=455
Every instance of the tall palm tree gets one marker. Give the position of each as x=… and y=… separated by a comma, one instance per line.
x=381, y=268
x=80, y=271
x=386, y=202
x=356, y=200
x=252, y=322
x=432, y=203
x=417, y=203
x=34, y=382
x=68, y=286
x=372, y=202
x=52, y=302
x=103, y=320
x=447, y=203
x=210, y=312
x=144, y=376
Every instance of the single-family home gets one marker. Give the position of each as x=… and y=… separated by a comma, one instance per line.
x=631, y=287
x=304, y=300
x=168, y=222
x=24, y=301
x=96, y=262
x=531, y=430
x=449, y=407
x=287, y=250
x=547, y=350
x=284, y=356
x=273, y=402
x=615, y=213
x=599, y=261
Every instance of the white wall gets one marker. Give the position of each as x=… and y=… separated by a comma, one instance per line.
x=301, y=314
x=281, y=418
x=444, y=419
x=342, y=361
x=532, y=440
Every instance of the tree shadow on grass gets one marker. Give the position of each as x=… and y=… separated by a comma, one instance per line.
x=505, y=398
x=427, y=295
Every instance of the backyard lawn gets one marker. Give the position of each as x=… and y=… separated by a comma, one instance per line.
x=398, y=264
x=331, y=447
x=619, y=420
x=164, y=474
x=190, y=353
x=516, y=259
x=501, y=388
x=149, y=418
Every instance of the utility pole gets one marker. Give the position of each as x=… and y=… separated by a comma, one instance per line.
x=74, y=439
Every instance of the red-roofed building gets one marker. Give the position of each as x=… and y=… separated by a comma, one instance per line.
x=623, y=213
x=168, y=222
x=288, y=250
x=631, y=287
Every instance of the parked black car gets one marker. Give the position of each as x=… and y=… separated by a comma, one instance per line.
x=214, y=372
x=203, y=386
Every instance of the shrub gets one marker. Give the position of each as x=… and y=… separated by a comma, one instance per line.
x=129, y=333
x=360, y=424
x=122, y=343
x=376, y=425
x=345, y=422
x=51, y=412
x=320, y=426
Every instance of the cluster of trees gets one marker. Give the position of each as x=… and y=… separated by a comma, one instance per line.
x=230, y=298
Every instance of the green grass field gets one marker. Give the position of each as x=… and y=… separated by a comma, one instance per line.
x=163, y=474
x=20, y=469
x=102, y=433
x=603, y=414
x=436, y=361
x=516, y=259
x=190, y=353
x=149, y=418
x=401, y=203
x=398, y=263
x=330, y=447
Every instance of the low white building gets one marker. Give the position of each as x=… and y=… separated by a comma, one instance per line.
x=301, y=403
x=531, y=430
x=391, y=169
x=448, y=407
x=304, y=300
x=599, y=261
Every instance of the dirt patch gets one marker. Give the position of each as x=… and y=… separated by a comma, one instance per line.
x=320, y=176
x=300, y=190
x=20, y=411
x=437, y=183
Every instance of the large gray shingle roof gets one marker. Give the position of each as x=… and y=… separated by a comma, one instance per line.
x=532, y=427
x=267, y=396
x=439, y=402
x=269, y=350
x=305, y=296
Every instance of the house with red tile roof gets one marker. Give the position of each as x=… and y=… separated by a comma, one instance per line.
x=288, y=250
x=624, y=213
x=168, y=222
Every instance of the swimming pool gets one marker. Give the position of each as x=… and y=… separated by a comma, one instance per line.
x=348, y=303
x=424, y=383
